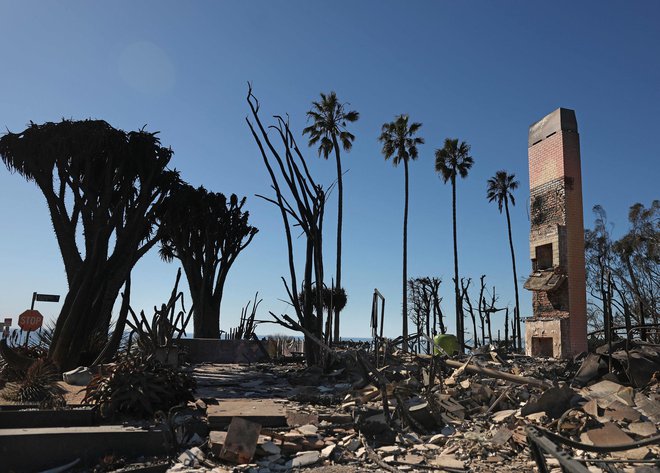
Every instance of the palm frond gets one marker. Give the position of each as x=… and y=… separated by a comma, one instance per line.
x=398, y=139
x=329, y=119
x=500, y=187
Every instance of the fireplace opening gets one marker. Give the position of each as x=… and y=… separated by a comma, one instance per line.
x=542, y=346
x=543, y=257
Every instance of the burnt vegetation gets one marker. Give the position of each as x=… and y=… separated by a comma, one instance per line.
x=623, y=275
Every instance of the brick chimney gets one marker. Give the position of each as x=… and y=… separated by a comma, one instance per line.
x=558, y=327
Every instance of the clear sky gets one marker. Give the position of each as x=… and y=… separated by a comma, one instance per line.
x=481, y=71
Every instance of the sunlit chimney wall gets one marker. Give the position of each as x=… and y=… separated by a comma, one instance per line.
x=557, y=236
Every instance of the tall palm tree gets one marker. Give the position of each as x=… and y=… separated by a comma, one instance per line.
x=452, y=160
x=500, y=189
x=329, y=118
x=400, y=144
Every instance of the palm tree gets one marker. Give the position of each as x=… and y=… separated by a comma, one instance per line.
x=328, y=128
x=452, y=160
x=500, y=189
x=400, y=144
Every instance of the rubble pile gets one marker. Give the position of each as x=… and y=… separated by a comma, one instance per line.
x=485, y=412
x=384, y=410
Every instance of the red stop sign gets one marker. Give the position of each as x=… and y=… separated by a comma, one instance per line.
x=30, y=320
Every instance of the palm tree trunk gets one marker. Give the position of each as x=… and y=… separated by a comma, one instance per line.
x=405, y=260
x=340, y=204
x=506, y=328
x=428, y=329
x=459, y=313
x=515, y=276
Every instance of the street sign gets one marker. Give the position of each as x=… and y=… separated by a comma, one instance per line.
x=48, y=298
x=30, y=320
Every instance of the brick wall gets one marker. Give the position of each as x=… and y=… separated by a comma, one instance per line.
x=575, y=244
x=551, y=304
x=546, y=161
x=548, y=203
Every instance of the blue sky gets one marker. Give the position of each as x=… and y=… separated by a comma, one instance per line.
x=481, y=71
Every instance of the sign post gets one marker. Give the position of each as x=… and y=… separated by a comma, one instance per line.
x=32, y=319
x=6, y=326
x=44, y=298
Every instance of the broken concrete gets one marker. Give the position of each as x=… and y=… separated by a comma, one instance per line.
x=241, y=441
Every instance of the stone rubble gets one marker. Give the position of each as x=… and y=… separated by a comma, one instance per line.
x=460, y=421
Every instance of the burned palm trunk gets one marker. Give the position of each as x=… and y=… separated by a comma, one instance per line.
x=303, y=206
x=506, y=327
x=466, y=298
x=438, y=317
x=480, y=311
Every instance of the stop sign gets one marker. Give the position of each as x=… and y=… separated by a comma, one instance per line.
x=30, y=320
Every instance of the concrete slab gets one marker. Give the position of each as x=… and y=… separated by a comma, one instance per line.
x=43, y=448
x=14, y=419
x=267, y=412
x=225, y=381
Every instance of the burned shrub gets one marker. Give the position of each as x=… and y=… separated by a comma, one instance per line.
x=37, y=386
x=15, y=361
x=138, y=386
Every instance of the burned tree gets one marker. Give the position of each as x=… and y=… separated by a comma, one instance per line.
x=639, y=260
x=623, y=275
x=206, y=232
x=104, y=188
x=482, y=310
x=301, y=203
x=465, y=299
x=424, y=303
x=599, y=259
x=489, y=307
